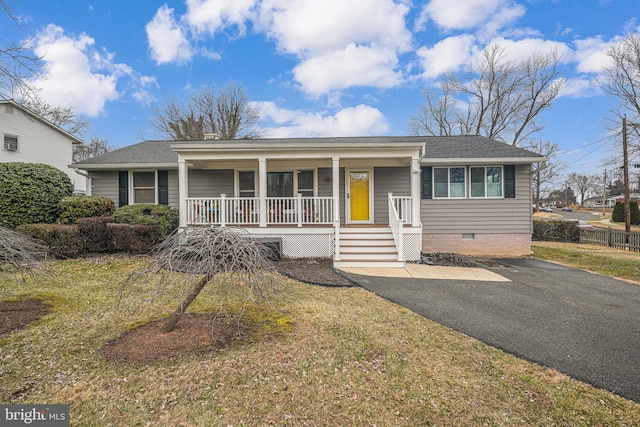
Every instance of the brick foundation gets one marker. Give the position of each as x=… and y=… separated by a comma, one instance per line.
x=486, y=245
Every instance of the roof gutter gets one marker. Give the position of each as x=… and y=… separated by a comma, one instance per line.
x=483, y=161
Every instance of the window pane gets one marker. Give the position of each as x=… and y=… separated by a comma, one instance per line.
x=246, y=181
x=144, y=179
x=305, y=181
x=280, y=184
x=306, y=193
x=456, y=182
x=494, y=182
x=145, y=195
x=440, y=182
x=477, y=182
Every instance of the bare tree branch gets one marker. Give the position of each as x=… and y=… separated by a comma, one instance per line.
x=501, y=98
x=20, y=254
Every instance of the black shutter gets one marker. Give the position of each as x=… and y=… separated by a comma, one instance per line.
x=123, y=188
x=510, y=181
x=163, y=187
x=426, y=182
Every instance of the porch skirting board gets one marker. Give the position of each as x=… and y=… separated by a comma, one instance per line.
x=297, y=243
x=476, y=244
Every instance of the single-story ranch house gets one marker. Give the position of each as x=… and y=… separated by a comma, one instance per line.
x=361, y=200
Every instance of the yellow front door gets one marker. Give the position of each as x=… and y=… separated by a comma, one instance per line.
x=359, y=195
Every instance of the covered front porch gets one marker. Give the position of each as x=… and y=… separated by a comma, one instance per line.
x=308, y=194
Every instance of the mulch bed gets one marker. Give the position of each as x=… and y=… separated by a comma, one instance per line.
x=317, y=271
x=18, y=314
x=194, y=333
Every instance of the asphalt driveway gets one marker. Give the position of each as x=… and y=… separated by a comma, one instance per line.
x=584, y=325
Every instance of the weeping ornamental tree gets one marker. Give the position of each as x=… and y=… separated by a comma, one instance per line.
x=497, y=98
x=190, y=260
x=20, y=255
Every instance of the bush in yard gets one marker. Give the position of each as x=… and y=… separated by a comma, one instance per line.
x=618, y=213
x=75, y=207
x=133, y=238
x=556, y=231
x=62, y=240
x=30, y=193
x=95, y=233
x=163, y=218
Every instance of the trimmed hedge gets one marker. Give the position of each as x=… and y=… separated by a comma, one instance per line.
x=162, y=217
x=93, y=235
x=556, y=231
x=30, y=193
x=75, y=207
x=618, y=213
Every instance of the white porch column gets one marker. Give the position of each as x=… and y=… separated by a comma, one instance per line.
x=262, y=193
x=415, y=191
x=183, y=190
x=335, y=179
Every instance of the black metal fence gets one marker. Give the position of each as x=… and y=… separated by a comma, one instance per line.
x=611, y=238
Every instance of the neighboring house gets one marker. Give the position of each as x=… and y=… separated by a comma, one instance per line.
x=363, y=201
x=27, y=137
x=610, y=201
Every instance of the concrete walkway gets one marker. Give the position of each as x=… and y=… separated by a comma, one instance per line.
x=582, y=324
x=422, y=271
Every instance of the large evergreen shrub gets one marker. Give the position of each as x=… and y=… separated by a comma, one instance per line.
x=30, y=193
x=75, y=207
x=618, y=212
x=163, y=218
x=555, y=231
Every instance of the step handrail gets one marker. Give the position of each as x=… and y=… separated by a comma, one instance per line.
x=396, y=225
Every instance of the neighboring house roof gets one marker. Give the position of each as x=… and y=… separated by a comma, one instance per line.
x=458, y=149
x=74, y=139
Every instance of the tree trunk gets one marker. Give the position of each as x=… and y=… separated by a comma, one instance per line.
x=175, y=317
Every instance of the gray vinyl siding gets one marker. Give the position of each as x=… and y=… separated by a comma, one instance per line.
x=105, y=184
x=396, y=180
x=489, y=216
x=211, y=183
x=174, y=196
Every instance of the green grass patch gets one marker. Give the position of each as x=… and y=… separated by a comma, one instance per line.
x=612, y=262
x=341, y=356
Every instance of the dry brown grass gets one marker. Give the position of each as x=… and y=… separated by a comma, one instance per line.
x=350, y=358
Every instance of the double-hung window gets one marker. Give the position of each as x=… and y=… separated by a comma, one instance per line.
x=144, y=187
x=487, y=181
x=289, y=184
x=246, y=184
x=449, y=182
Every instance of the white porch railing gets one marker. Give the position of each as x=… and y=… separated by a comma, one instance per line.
x=246, y=210
x=396, y=222
x=403, y=206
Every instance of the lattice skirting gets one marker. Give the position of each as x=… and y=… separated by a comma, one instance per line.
x=303, y=245
x=412, y=245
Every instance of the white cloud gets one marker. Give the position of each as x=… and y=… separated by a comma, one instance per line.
x=167, y=40
x=316, y=26
x=446, y=55
x=579, y=88
x=209, y=16
x=591, y=55
x=520, y=50
x=468, y=14
x=352, y=66
x=352, y=121
x=78, y=75
x=75, y=74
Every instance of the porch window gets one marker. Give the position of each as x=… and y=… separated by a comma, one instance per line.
x=305, y=183
x=280, y=184
x=449, y=182
x=487, y=181
x=246, y=184
x=144, y=187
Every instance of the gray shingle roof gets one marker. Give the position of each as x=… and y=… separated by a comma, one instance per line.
x=448, y=147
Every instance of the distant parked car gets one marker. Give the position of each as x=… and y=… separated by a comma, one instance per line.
x=584, y=225
x=567, y=209
x=547, y=209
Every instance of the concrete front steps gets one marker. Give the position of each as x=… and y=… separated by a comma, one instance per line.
x=367, y=246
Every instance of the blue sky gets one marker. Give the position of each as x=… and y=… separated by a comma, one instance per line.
x=315, y=67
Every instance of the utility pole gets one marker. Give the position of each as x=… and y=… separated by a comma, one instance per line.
x=625, y=166
x=604, y=193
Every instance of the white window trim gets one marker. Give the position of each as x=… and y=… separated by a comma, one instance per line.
x=132, y=195
x=485, y=182
x=236, y=182
x=448, y=168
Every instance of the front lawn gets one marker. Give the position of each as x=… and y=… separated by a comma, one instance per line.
x=349, y=358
